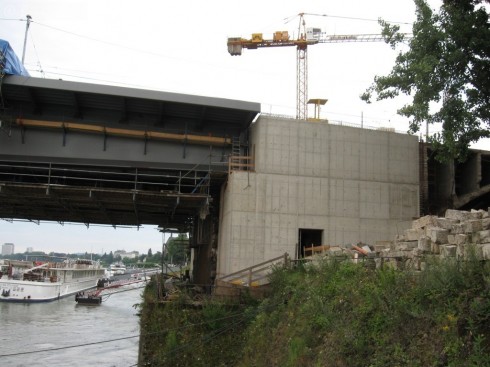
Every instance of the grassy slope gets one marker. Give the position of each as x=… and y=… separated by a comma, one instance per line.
x=337, y=314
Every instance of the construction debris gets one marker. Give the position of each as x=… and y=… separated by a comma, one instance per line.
x=451, y=236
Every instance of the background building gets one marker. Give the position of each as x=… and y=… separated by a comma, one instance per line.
x=126, y=255
x=8, y=249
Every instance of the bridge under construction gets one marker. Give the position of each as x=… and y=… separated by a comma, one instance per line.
x=247, y=187
x=75, y=152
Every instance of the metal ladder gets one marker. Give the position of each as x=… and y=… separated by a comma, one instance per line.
x=235, y=146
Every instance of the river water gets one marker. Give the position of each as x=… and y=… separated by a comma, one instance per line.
x=70, y=328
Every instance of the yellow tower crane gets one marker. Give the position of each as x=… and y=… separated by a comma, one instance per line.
x=306, y=37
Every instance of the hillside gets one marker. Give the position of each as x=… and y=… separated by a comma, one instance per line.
x=332, y=313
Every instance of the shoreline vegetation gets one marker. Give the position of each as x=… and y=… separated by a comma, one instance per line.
x=330, y=313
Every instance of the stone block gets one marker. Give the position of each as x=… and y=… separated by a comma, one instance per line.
x=393, y=254
x=399, y=238
x=434, y=248
x=476, y=214
x=484, y=236
x=438, y=235
x=473, y=237
x=424, y=244
x=457, y=228
x=486, y=251
x=457, y=214
x=406, y=245
x=428, y=220
x=451, y=239
x=446, y=223
x=413, y=234
x=448, y=251
x=473, y=225
x=485, y=223
x=460, y=239
x=416, y=252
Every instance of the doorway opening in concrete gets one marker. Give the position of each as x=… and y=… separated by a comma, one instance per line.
x=308, y=238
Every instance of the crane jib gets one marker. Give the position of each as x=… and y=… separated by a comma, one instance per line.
x=307, y=37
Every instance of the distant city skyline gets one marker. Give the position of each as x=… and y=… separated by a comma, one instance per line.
x=76, y=238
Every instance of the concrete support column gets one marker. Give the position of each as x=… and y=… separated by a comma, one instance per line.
x=468, y=175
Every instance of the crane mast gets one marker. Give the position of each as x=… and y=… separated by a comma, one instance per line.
x=306, y=37
x=302, y=73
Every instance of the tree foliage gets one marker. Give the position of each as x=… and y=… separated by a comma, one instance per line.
x=177, y=249
x=446, y=71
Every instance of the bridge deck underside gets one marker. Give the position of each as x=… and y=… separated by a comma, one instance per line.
x=79, y=152
x=104, y=195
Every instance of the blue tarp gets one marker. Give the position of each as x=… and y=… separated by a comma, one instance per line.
x=9, y=60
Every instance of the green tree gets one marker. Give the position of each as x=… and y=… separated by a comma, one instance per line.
x=446, y=71
x=110, y=258
x=177, y=248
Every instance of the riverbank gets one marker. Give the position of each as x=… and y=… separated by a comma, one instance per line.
x=332, y=314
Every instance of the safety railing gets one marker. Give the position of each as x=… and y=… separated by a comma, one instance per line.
x=255, y=275
x=241, y=163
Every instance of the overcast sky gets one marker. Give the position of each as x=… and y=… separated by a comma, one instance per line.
x=180, y=46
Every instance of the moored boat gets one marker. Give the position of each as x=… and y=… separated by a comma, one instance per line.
x=117, y=269
x=106, y=287
x=88, y=299
x=39, y=281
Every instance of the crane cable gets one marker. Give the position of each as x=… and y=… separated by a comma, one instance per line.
x=288, y=19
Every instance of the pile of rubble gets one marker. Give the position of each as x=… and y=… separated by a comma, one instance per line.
x=450, y=236
x=430, y=236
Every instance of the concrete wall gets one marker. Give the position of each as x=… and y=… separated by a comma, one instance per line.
x=354, y=184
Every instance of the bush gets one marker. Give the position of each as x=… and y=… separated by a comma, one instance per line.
x=338, y=314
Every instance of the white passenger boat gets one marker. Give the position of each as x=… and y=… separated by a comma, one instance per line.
x=117, y=269
x=38, y=281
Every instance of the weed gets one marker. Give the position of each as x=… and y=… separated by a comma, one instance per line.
x=343, y=314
